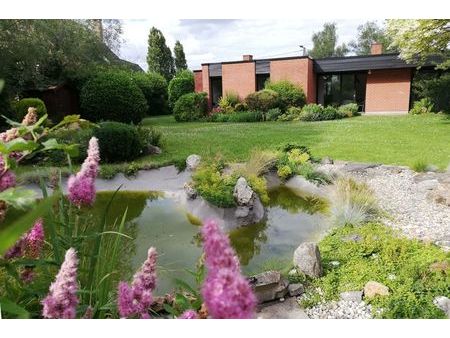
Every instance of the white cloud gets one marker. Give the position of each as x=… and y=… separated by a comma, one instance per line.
x=225, y=40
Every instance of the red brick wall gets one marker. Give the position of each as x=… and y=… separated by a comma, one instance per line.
x=388, y=90
x=299, y=71
x=205, y=82
x=239, y=78
x=198, y=81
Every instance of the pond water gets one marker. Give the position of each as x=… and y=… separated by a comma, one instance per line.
x=154, y=219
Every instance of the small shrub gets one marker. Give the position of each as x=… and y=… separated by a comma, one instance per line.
x=273, y=114
x=420, y=166
x=292, y=114
x=154, y=88
x=248, y=116
x=259, y=186
x=113, y=96
x=242, y=106
x=311, y=174
x=21, y=107
x=289, y=94
x=262, y=100
x=149, y=136
x=348, y=110
x=118, y=142
x=259, y=163
x=330, y=113
x=352, y=202
x=191, y=107
x=219, y=117
x=424, y=106
x=181, y=84
x=312, y=112
x=228, y=102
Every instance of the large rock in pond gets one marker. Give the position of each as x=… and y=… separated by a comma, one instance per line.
x=249, y=208
x=307, y=259
x=192, y=162
x=269, y=285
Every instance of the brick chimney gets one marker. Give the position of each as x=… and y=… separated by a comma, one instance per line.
x=376, y=48
x=247, y=57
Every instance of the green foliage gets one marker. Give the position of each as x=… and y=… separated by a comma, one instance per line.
x=228, y=102
x=273, y=114
x=149, y=136
x=181, y=84
x=289, y=94
x=112, y=96
x=382, y=255
x=21, y=107
x=213, y=186
x=159, y=56
x=434, y=87
x=118, y=142
x=191, y=107
x=424, y=106
x=330, y=113
x=292, y=114
x=312, y=112
x=180, y=58
x=348, y=110
x=248, y=116
x=420, y=166
x=154, y=88
x=262, y=100
x=289, y=162
x=368, y=34
x=242, y=106
x=324, y=43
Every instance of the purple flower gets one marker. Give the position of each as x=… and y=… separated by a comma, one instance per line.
x=81, y=186
x=218, y=251
x=61, y=302
x=7, y=178
x=137, y=298
x=226, y=293
x=189, y=314
x=30, y=244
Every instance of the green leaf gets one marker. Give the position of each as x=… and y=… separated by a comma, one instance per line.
x=11, y=122
x=18, y=198
x=52, y=144
x=2, y=85
x=10, y=234
x=10, y=307
x=18, y=144
x=183, y=285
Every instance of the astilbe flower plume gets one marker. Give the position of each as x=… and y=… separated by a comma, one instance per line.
x=62, y=300
x=226, y=293
x=135, y=299
x=7, y=177
x=189, y=314
x=81, y=186
x=30, y=244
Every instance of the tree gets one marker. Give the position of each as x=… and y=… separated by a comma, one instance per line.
x=418, y=40
x=108, y=30
x=368, y=34
x=159, y=56
x=324, y=43
x=180, y=58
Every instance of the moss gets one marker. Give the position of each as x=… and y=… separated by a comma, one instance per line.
x=382, y=255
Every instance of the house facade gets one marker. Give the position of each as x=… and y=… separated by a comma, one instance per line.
x=378, y=83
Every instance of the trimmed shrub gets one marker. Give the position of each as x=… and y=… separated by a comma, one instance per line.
x=289, y=94
x=112, y=96
x=348, y=110
x=242, y=106
x=154, y=88
x=248, y=116
x=118, y=142
x=228, y=102
x=181, y=84
x=191, y=107
x=330, y=113
x=273, y=114
x=21, y=107
x=311, y=112
x=262, y=100
x=292, y=114
x=423, y=106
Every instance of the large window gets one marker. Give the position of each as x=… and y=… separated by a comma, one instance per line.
x=216, y=89
x=261, y=80
x=338, y=89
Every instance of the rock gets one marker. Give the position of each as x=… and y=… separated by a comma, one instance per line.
x=305, y=187
x=352, y=238
x=153, y=150
x=327, y=160
x=243, y=194
x=358, y=167
x=443, y=303
x=296, y=289
x=192, y=162
x=269, y=285
x=372, y=289
x=351, y=296
x=307, y=259
x=190, y=191
x=427, y=185
x=443, y=266
x=289, y=309
x=440, y=195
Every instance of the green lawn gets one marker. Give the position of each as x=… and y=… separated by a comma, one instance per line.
x=399, y=140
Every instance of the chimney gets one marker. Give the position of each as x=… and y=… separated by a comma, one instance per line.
x=376, y=48
x=247, y=57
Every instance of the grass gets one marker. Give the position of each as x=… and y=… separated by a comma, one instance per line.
x=398, y=140
x=414, y=272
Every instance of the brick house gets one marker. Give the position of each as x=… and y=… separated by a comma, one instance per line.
x=378, y=82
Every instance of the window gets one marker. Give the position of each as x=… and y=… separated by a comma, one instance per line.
x=261, y=80
x=216, y=89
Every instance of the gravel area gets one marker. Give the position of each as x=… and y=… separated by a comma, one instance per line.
x=340, y=310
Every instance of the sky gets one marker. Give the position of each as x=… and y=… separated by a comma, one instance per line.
x=227, y=40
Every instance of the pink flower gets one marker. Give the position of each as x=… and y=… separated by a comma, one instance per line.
x=81, y=187
x=226, y=293
x=137, y=298
x=62, y=300
x=30, y=244
x=189, y=314
x=7, y=179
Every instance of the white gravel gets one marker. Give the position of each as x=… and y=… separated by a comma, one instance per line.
x=340, y=310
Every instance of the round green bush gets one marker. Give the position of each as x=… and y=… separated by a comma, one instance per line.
x=21, y=107
x=312, y=112
x=289, y=94
x=154, y=88
x=181, y=84
x=262, y=100
x=118, y=142
x=348, y=110
x=112, y=96
x=330, y=113
x=191, y=107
